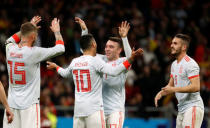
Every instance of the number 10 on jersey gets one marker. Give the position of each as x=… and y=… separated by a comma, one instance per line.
x=79, y=74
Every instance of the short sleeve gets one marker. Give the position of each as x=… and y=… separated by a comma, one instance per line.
x=193, y=70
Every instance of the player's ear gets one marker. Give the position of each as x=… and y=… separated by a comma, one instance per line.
x=184, y=47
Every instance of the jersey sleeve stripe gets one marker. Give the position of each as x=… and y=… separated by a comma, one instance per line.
x=16, y=38
x=57, y=68
x=126, y=64
x=193, y=76
x=59, y=42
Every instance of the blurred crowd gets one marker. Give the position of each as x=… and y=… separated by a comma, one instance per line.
x=153, y=25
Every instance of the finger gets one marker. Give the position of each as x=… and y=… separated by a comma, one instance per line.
x=58, y=21
x=125, y=24
x=122, y=24
x=156, y=104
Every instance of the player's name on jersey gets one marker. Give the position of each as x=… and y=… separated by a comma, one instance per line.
x=16, y=55
x=81, y=64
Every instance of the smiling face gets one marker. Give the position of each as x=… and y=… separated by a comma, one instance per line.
x=177, y=46
x=112, y=50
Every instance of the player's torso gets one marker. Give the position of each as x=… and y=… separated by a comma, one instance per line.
x=24, y=76
x=179, y=73
x=88, y=86
x=114, y=89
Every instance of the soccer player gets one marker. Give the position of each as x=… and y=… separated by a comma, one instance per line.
x=23, y=63
x=185, y=83
x=87, y=72
x=113, y=86
x=3, y=99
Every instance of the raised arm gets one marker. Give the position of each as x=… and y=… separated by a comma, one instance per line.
x=123, y=32
x=82, y=25
x=3, y=99
x=63, y=72
x=41, y=54
x=17, y=36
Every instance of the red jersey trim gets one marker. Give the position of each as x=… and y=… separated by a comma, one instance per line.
x=187, y=58
x=126, y=64
x=57, y=68
x=16, y=38
x=59, y=42
x=193, y=76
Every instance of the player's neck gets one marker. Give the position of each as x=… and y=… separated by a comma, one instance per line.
x=25, y=42
x=90, y=53
x=113, y=59
x=180, y=56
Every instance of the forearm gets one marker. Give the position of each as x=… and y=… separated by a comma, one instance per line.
x=3, y=97
x=126, y=47
x=63, y=72
x=187, y=89
x=114, y=71
x=58, y=36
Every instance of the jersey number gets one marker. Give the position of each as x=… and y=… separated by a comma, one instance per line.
x=22, y=73
x=81, y=73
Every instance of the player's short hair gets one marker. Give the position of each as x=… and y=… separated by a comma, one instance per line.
x=27, y=28
x=186, y=39
x=116, y=39
x=85, y=41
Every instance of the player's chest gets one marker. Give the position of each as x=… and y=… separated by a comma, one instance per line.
x=179, y=72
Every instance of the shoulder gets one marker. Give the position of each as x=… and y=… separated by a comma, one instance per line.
x=190, y=63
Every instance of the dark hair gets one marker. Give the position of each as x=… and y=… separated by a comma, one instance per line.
x=186, y=39
x=27, y=28
x=85, y=41
x=116, y=39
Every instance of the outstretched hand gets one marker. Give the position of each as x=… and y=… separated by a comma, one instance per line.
x=55, y=25
x=51, y=65
x=135, y=54
x=124, y=28
x=35, y=20
x=81, y=23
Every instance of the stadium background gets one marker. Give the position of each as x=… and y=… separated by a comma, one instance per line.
x=153, y=25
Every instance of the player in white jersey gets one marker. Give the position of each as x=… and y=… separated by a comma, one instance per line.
x=113, y=86
x=185, y=83
x=23, y=63
x=3, y=99
x=87, y=72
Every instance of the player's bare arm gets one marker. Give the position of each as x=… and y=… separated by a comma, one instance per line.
x=55, y=27
x=3, y=99
x=162, y=93
x=35, y=20
x=81, y=23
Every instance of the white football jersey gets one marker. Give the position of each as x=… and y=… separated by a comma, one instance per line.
x=182, y=72
x=113, y=91
x=23, y=64
x=87, y=72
